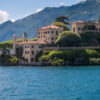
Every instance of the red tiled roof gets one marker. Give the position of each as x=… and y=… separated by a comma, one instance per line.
x=32, y=42
x=51, y=26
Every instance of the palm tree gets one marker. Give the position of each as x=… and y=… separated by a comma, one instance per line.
x=63, y=19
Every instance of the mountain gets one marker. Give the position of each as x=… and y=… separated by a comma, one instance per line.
x=86, y=10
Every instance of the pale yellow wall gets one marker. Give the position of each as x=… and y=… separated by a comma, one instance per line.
x=81, y=25
x=29, y=56
x=44, y=36
x=98, y=26
x=74, y=27
x=47, y=34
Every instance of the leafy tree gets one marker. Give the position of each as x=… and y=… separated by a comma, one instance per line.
x=37, y=56
x=63, y=19
x=4, y=59
x=89, y=27
x=62, y=25
x=68, y=38
x=19, y=52
x=5, y=46
x=90, y=38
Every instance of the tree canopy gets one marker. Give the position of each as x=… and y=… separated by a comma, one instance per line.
x=63, y=19
x=5, y=46
x=8, y=44
x=62, y=25
x=91, y=38
x=89, y=27
x=68, y=38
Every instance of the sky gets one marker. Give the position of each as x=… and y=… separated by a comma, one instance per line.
x=18, y=9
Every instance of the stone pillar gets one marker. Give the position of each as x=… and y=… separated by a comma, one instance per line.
x=29, y=60
x=29, y=56
x=24, y=38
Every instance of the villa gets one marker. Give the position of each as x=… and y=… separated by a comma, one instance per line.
x=80, y=26
x=46, y=35
x=49, y=33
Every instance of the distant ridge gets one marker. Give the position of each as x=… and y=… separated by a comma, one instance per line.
x=86, y=10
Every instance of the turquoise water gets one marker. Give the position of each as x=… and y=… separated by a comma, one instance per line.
x=50, y=83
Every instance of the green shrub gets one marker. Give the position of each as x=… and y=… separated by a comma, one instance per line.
x=57, y=62
x=46, y=52
x=95, y=61
x=68, y=38
x=72, y=56
x=44, y=58
x=14, y=61
x=92, y=53
x=56, y=54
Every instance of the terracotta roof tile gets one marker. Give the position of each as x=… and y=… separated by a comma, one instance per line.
x=51, y=26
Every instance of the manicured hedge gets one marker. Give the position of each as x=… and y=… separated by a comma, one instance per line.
x=71, y=57
x=68, y=38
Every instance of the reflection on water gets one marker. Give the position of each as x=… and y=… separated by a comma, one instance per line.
x=50, y=83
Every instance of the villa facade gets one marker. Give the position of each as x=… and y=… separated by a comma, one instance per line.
x=49, y=33
x=46, y=35
x=79, y=26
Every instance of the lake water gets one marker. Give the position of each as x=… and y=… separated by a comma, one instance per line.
x=50, y=83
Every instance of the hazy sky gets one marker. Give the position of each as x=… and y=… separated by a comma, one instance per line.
x=17, y=9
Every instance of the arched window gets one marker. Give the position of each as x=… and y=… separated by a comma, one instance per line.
x=74, y=29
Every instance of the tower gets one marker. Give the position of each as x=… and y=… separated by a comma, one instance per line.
x=24, y=37
x=14, y=43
